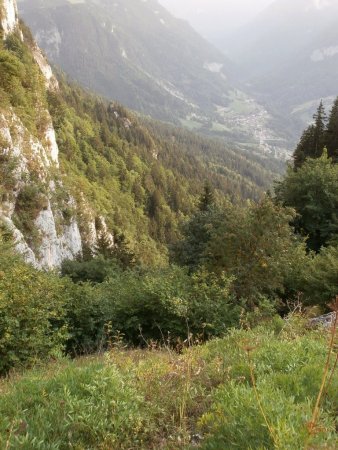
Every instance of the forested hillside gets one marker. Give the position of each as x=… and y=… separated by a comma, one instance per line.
x=141, y=177
x=152, y=295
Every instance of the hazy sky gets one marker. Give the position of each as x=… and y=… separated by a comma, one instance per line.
x=209, y=17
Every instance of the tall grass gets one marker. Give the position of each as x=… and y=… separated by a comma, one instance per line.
x=208, y=396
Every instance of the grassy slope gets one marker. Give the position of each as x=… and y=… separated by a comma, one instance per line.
x=152, y=399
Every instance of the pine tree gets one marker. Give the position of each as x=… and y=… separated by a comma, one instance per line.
x=305, y=143
x=320, y=119
x=105, y=246
x=122, y=253
x=207, y=199
x=312, y=142
x=331, y=138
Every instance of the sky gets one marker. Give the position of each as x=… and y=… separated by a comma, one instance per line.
x=212, y=17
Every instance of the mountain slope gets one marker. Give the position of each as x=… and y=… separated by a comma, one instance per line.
x=128, y=51
x=137, y=53
x=76, y=169
x=289, y=56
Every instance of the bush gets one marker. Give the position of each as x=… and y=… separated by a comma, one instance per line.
x=94, y=270
x=32, y=314
x=168, y=303
x=88, y=317
x=288, y=370
x=320, y=281
x=80, y=407
x=254, y=244
x=313, y=191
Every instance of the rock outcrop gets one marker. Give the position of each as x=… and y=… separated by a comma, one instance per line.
x=9, y=16
x=34, y=161
x=56, y=238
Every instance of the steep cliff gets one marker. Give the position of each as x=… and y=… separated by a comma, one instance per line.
x=29, y=162
x=9, y=16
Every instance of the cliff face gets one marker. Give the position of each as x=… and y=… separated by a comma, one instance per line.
x=33, y=162
x=9, y=16
x=31, y=176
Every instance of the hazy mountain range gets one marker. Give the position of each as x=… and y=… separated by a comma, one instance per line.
x=213, y=18
x=277, y=69
x=136, y=52
x=289, y=56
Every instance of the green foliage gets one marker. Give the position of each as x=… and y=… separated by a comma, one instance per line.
x=207, y=199
x=22, y=85
x=163, y=304
x=87, y=318
x=89, y=406
x=319, y=282
x=95, y=270
x=319, y=135
x=30, y=201
x=313, y=191
x=32, y=313
x=8, y=165
x=190, y=250
x=254, y=244
x=312, y=141
x=331, y=135
x=148, y=399
x=287, y=376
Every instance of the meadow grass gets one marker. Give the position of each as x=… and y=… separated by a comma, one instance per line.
x=209, y=396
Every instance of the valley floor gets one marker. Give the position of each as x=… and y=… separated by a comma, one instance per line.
x=253, y=389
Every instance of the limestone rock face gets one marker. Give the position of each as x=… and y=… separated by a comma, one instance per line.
x=9, y=16
x=30, y=161
x=51, y=82
x=35, y=206
x=57, y=239
x=54, y=247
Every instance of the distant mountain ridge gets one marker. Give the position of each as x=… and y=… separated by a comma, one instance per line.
x=128, y=51
x=289, y=56
x=137, y=53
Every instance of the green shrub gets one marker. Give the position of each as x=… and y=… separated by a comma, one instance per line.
x=32, y=314
x=29, y=203
x=85, y=407
x=95, y=270
x=319, y=283
x=168, y=304
x=88, y=317
x=312, y=191
x=288, y=370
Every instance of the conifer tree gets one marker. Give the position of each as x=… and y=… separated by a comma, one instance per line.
x=207, y=199
x=320, y=119
x=305, y=143
x=312, y=142
x=331, y=137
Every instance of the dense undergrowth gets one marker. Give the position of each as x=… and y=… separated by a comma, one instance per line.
x=159, y=399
